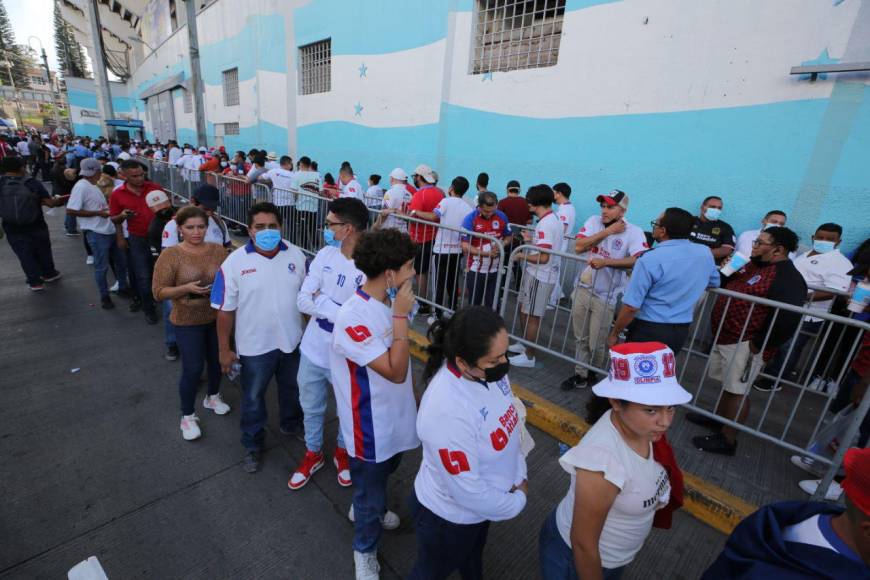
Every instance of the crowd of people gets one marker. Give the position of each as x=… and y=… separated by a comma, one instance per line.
x=265, y=311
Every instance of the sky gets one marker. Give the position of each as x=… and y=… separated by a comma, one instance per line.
x=34, y=18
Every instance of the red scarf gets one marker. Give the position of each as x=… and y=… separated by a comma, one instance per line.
x=663, y=453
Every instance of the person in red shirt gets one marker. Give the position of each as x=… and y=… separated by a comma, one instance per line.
x=127, y=205
x=426, y=199
x=517, y=211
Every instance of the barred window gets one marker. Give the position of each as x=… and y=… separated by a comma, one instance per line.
x=231, y=87
x=516, y=34
x=315, y=67
x=231, y=128
x=188, y=100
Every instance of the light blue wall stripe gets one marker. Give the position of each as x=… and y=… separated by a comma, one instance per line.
x=259, y=46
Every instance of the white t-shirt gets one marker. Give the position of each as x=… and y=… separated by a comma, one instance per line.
x=829, y=270
x=214, y=234
x=174, y=154
x=609, y=283
x=87, y=196
x=644, y=488
x=377, y=417
x=352, y=189
x=282, y=186
x=548, y=235
x=397, y=198
x=192, y=164
x=262, y=291
x=306, y=184
x=816, y=531
x=23, y=148
x=451, y=211
x=471, y=450
x=374, y=196
x=568, y=216
x=334, y=279
x=158, y=155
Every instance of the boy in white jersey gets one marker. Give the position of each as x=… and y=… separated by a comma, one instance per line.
x=332, y=279
x=350, y=187
x=371, y=377
x=568, y=216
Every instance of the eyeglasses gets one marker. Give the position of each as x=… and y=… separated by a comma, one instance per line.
x=655, y=224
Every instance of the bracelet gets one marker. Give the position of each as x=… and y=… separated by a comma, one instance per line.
x=395, y=338
x=400, y=316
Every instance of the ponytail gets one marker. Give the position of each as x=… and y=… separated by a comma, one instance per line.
x=437, y=334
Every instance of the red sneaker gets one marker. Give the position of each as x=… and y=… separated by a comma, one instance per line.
x=342, y=466
x=310, y=464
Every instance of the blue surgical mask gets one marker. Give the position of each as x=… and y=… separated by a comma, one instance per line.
x=329, y=238
x=712, y=213
x=267, y=240
x=392, y=293
x=823, y=246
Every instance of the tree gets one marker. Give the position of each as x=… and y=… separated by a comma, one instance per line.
x=13, y=53
x=69, y=51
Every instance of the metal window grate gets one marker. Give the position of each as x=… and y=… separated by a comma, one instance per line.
x=231, y=128
x=315, y=67
x=188, y=100
x=231, y=87
x=516, y=34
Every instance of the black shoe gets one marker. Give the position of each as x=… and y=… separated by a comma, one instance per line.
x=136, y=304
x=703, y=420
x=151, y=316
x=171, y=352
x=425, y=309
x=251, y=463
x=715, y=443
x=53, y=277
x=297, y=431
x=127, y=293
x=574, y=382
x=106, y=303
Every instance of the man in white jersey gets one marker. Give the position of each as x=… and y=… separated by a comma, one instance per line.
x=567, y=214
x=255, y=291
x=371, y=376
x=771, y=219
x=350, y=187
x=332, y=279
x=396, y=201
x=612, y=246
x=541, y=273
x=281, y=179
x=206, y=197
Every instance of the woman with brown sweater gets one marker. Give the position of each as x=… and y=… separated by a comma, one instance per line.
x=184, y=274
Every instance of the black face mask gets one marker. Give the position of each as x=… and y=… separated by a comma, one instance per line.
x=165, y=213
x=496, y=373
x=758, y=261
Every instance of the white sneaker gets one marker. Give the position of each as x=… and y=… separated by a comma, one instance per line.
x=517, y=348
x=216, y=404
x=431, y=320
x=190, y=427
x=89, y=261
x=805, y=463
x=817, y=384
x=810, y=485
x=366, y=565
x=521, y=360
x=114, y=287
x=390, y=521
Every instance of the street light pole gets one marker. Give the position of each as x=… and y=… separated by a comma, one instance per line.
x=52, y=86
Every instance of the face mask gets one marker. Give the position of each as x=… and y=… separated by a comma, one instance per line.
x=712, y=213
x=496, y=373
x=329, y=238
x=758, y=261
x=823, y=246
x=267, y=240
x=165, y=213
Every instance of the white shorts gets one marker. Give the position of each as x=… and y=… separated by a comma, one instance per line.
x=534, y=295
x=737, y=376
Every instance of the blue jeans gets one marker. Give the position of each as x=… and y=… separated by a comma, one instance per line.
x=103, y=246
x=257, y=372
x=481, y=289
x=169, y=328
x=314, y=384
x=557, y=558
x=444, y=547
x=142, y=265
x=199, y=347
x=70, y=224
x=370, y=499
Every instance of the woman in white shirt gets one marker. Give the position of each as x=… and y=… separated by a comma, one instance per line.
x=473, y=470
x=616, y=484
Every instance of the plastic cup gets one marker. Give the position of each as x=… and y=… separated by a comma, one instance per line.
x=860, y=297
x=734, y=264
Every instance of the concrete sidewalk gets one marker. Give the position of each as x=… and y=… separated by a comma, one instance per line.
x=94, y=464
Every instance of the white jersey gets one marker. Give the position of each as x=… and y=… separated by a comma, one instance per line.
x=174, y=154
x=282, y=186
x=470, y=432
x=262, y=292
x=377, y=417
x=374, y=197
x=567, y=214
x=352, y=189
x=397, y=198
x=609, y=283
x=332, y=279
x=829, y=270
x=643, y=485
x=451, y=212
x=192, y=164
x=548, y=235
x=215, y=234
x=306, y=185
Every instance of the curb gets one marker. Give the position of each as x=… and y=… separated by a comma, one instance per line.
x=707, y=502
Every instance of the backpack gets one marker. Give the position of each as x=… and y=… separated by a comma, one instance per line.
x=18, y=204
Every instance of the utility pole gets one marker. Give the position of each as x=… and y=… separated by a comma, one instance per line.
x=195, y=74
x=55, y=94
x=104, y=95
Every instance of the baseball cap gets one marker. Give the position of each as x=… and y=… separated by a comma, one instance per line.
x=208, y=196
x=513, y=184
x=399, y=173
x=124, y=156
x=203, y=150
x=155, y=198
x=643, y=372
x=856, y=486
x=272, y=155
x=90, y=167
x=615, y=197
x=425, y=172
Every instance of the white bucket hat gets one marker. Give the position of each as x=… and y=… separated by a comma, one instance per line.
x=645, y=373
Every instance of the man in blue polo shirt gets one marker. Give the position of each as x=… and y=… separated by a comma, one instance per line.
x=665, y=284
x=255, y=290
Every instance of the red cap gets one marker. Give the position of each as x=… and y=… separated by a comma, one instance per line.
x=615, y=197
x=857, y=482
